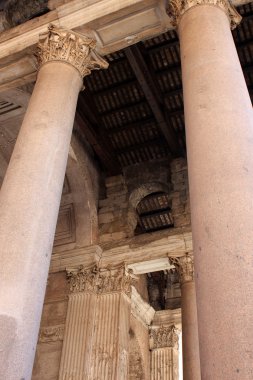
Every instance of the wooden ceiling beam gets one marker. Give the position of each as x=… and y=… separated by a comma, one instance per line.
x=145, y=144
x=98, y=141
x=153, y=96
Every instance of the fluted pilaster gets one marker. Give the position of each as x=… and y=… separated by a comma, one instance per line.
x=164, y=353
x=97, y=326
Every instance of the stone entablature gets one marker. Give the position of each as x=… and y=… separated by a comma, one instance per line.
x=141, y=309
x=185, y=267
x=101, y=280
x=177, y=8
x=63, y=45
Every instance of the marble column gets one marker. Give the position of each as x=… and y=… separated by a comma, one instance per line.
x=97, y=327
x=191, y=362
x=31, y=192
x=164, y=353
x=219, y=135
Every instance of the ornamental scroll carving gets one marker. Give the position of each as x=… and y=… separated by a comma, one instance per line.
x=164, y=337
x=101, y=280
x=63, y=45
x=51, y=334
x=184, y=266
x=176, y=8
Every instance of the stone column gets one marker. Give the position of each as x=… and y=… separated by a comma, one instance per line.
x=219, y=131
x=191, y=362
x=31, y=192
x=164, y=353
x=97, y=327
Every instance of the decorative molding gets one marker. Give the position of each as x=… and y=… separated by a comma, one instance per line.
x=81, y=279
x=184, y=266
x=101, y=280
x=176, y=9
x=64, y=45
x=51, y=334
x=163, y=337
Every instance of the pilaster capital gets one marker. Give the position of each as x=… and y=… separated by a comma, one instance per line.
x=101, y=280
x=82, y=279
x=75, y=49
x=164, y=336
x=184, y=266
x=177, y=8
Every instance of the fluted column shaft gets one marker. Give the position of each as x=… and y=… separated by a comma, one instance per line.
x=30, y=197
x=97, y=327
x=190, y=340
x=219, y=131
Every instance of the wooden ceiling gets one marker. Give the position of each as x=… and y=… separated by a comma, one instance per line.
x=133, y=112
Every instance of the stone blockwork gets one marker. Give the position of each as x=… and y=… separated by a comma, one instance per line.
x=180, y=193
x=117, y=217
x=115, y=220
x=52, y=329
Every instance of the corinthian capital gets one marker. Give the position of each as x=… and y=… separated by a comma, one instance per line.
x=163, y=337
x=184, y=266
x=176, y=9
x=101, y=280
x=64, y=45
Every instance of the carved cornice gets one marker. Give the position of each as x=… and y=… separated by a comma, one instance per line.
x=176, y=9
x=51, y=334
x=185, y=267
x=101, y=280
x=163, y=337
x=64, y=45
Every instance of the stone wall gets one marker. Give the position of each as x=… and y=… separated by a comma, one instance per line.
x=49, y=347
x=180, y=193
x=116, y=217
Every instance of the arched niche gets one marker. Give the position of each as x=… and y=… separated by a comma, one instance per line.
x=150, y=207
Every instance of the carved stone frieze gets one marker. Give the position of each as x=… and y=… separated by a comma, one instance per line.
x=51, y=334
x=64, y=45
x=101, y=280
x=163, y=337
x=184, y=266
x=176, y=9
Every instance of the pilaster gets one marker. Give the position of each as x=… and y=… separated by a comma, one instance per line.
x=97, y=326
x=164, y=352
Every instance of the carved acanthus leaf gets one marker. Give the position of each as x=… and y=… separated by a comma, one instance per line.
x=64, y=45
x=163, y=337
x=176, y=8
x=101, y=280
x=81, y=279
x=184, y=266
x=51, y=334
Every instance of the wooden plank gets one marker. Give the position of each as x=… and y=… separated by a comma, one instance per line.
x=153, y=96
